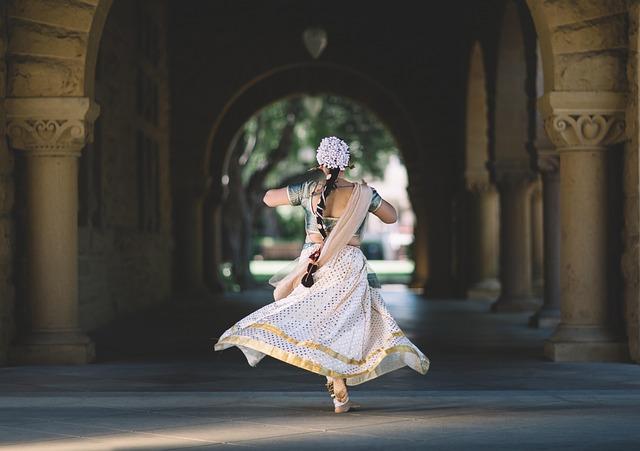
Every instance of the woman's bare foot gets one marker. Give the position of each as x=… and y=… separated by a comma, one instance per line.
x=341, y=400
x=339, y=388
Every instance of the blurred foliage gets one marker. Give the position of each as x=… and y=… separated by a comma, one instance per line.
x=370, y=142
x=277, y=146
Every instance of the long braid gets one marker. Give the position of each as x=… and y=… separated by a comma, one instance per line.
x=307, y=279
x=328, y=188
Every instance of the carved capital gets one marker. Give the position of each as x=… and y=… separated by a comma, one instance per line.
x=477, y=181
x=513, y=171
x=578, y=121
x=585, y=131
x=50, y=126
x=479, y=186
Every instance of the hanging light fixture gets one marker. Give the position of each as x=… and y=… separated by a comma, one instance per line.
x=315, y=40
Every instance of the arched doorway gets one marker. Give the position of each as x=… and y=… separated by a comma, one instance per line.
x=277, y=147
x=310, y=79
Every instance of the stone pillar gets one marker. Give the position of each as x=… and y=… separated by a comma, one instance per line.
x=213, y=240
x=189, y=244
x=51, y=132
x=514, y=185
x=549, y=314
x=483, y=243
x=438, y=204
x=420, y=242
x=537, y=239
x=583, y=126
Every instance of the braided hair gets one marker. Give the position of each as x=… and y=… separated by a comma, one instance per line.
x=330, y=185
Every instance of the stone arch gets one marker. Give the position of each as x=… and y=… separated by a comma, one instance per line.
x=296, y=79
x=583, y=44
x=307, y=78
x=53, y=47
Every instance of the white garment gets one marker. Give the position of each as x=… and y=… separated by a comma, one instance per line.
x=339, y=327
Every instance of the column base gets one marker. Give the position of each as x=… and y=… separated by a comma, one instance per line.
x=538, y=287
x=417, y=284
x=508, y=304
x=485, y=289
x=53, y=349
x=545, y=318
x=585, y=344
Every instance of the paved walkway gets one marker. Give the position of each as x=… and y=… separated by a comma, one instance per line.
x=159, y=386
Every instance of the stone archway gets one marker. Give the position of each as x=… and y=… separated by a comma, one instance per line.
x=54, y=47
x=298, y=79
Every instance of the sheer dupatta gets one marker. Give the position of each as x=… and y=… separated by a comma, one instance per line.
x=355, y=212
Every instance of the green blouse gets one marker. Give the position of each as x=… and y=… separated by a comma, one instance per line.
x=300, y=194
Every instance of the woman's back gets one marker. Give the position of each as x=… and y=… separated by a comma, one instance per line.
x=307, y=194
x=337, y=202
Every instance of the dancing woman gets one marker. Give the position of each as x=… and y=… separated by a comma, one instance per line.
x=328, y=316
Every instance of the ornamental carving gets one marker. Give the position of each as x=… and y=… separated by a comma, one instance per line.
x=47, y=136
x=583, y=130
x=479, y=186
x=513, y=172
x=50, y=125
x=477, y=181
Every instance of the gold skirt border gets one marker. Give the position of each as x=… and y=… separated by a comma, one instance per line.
x=352, y=379
x=320, y=347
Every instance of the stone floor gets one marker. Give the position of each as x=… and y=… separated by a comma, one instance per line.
x=158, y=385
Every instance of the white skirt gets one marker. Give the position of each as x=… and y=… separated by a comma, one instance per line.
x=339, y=327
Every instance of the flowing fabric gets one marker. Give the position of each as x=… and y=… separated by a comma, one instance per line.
x=340, y=326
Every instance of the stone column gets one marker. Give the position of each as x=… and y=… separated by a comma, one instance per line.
x=537, y=240
x=549, y=314
x=514, y=185
x=51, y=132
x=420, y=242
x=483, y=249
x=213, y=240
x=189, y=244
x=438, y=204
x=583, y=126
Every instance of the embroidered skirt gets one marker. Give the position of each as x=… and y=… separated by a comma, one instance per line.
x=338, y=327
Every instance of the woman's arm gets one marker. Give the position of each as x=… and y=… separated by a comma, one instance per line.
x=386, y=212
x=275, y=197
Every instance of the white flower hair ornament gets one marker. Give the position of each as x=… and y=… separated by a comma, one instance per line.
x=333, y=153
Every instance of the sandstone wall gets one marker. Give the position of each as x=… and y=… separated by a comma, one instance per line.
x=6, y=204
x=124, y=216
x=588, y=39
x=630, y=262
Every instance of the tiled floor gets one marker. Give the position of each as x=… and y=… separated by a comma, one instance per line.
x=158, y=385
